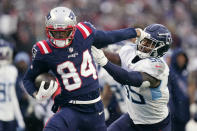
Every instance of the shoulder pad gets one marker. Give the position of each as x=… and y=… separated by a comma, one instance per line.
x=85, y=29
x=127, y=49
x=154, y=67
x=43, y=47
x=39, y=49
x=13, y=70
x=126, y=53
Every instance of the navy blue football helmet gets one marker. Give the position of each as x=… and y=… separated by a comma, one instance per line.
x=6, y=52
x=157, y=44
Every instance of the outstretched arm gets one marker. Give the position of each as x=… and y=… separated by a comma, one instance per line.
x=104, y=38
x=132, y=78
x=122, y=76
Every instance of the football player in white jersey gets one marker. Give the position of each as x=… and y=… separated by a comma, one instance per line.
x=9, y=107
x=145, y=76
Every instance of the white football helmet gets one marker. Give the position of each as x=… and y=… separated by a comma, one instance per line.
x=6, y=52
x=60, y=26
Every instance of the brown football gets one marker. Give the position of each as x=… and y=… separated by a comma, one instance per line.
x=47, y=77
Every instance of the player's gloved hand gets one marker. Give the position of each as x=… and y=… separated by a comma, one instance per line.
x=45, y=93
x=99, y=56
x=143, y=35
x=21, y=125
x=20, y=129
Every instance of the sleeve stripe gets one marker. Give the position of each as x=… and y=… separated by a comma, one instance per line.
x=47, y=46
x=40, y=47
x=44, y=47
x=87, y=27
x=84, y=29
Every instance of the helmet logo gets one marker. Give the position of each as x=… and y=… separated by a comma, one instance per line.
x=49, y=16
x=71, y=15
x=167, y=36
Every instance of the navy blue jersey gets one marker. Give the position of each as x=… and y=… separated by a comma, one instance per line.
x=73, y=66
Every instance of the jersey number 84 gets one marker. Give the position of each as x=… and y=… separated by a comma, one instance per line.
x=86, y=69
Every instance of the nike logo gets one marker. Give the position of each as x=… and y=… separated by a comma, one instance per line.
x=100, y=113
x=73, y=55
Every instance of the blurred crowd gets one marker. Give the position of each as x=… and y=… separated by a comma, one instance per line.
x=22, y=23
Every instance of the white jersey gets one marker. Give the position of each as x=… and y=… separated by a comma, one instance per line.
x=9, y=107
x=118, y=89
x=146, y=105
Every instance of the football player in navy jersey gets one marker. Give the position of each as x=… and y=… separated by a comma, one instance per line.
x=67, y=53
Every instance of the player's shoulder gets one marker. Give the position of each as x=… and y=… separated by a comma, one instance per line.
x=127, y=48
x=127, y=53
x=12, y=70
x=41, y=48
x=155, y=67
x=156, y=62
x=85, y=29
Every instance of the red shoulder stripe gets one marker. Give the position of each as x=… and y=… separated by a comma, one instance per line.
x=84, y=29
x=44, y=47
x=87, y=27
x=40, y=47
x=47, y=46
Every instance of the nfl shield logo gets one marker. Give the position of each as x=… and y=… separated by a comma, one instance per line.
x=70, y=49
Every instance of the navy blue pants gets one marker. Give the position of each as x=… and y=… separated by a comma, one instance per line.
x=68, y=119
x=8, y=125
x=124, y=123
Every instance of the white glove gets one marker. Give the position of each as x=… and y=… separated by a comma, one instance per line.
x=99, y=56
x=20, y=129
x=44, y=94
x=143, y=35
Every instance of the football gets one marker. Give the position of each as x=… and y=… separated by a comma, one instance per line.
x=47, y=77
